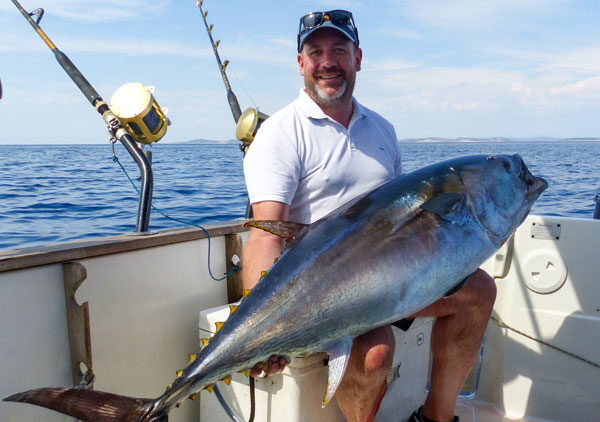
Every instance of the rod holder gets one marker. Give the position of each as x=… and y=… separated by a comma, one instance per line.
x=101, y=107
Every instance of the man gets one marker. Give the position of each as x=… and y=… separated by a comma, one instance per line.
x=316, y=154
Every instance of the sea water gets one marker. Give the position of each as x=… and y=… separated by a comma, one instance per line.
x=57, y=193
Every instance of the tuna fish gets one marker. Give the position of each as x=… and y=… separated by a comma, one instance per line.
x=373, y=261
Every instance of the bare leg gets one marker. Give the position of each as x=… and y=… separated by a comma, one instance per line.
x=365, y=381
x=455, y=341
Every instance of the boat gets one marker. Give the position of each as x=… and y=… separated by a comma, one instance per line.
x=122, y=314
x=145, y=293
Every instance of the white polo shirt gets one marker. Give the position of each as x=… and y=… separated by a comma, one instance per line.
x=303, y=158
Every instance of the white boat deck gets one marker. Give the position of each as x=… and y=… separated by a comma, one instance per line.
x=145, y=295
x=476, y=411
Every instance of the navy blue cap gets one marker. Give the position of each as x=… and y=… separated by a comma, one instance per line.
x=347, y=28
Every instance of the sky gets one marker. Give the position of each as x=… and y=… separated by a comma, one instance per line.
x=434, y=68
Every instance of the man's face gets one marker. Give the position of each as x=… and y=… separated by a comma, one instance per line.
x=329, y=62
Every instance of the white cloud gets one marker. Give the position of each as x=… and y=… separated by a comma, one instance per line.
x=581, y=60
x=548, y=58
x=389, y=65
x=333, y=4
x=55, y=95
x=421, y=88
x=139, y=47
x=98, y=10
x=265, y=49
x=471, y=14
x=287, y=43
x=404, y=34
x=589, y=87
x=29, y=42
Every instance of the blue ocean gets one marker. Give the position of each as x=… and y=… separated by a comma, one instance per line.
x=57, y=193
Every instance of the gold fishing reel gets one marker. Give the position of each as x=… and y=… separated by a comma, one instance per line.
x=139, y=113
x=247, y=125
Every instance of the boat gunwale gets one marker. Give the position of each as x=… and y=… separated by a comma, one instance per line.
x=34, y=256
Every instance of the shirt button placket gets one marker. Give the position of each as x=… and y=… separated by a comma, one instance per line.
x=351, y=145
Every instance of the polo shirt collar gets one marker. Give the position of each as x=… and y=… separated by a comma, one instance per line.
x=310, y=109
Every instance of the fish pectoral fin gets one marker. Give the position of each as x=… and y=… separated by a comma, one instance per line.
x=284, y=229
x=339, y=354
x=445, y=204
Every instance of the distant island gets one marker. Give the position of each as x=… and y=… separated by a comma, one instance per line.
x=498, y=139
x=208, y=141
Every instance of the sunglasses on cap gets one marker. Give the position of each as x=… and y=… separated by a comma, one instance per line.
x=338, y=19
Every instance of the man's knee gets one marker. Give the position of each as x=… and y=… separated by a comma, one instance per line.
x=375, y=350
x=483, y=289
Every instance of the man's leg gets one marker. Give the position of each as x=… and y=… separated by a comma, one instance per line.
x=365, y=381
x=455, y=341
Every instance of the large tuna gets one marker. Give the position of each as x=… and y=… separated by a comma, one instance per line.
x=371, y=262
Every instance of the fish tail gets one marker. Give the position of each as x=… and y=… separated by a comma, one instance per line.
x=90, y=405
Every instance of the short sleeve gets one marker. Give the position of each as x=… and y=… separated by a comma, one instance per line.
x=272, y=165
x=398, y=163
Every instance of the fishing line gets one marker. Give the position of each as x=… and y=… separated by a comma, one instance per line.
x=545, y=343
x=241, y=83
x=161, y=212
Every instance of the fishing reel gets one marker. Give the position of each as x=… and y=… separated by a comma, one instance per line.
x=137, y=110
x=247, y=126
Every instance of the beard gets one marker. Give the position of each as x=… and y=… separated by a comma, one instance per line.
x=340, y=97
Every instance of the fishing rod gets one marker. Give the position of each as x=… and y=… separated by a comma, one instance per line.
x=145, y=125
x=248, y=122
x=234, y=105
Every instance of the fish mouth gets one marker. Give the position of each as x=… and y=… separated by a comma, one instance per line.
x=535, y=185
x=536, y=188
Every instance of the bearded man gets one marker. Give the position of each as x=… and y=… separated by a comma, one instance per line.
x=319, y=152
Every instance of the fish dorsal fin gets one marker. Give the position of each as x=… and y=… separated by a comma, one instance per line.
x=339, y=354
x=445, y=204
x=284, y=229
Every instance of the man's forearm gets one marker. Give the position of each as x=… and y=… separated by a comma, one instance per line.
x=259, y=254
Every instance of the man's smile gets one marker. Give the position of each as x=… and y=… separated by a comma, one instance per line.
x=330, y=76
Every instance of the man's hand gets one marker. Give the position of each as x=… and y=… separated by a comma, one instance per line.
x=274, y=365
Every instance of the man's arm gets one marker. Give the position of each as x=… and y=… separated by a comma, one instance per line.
x=259, y=254
x=262, y=247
